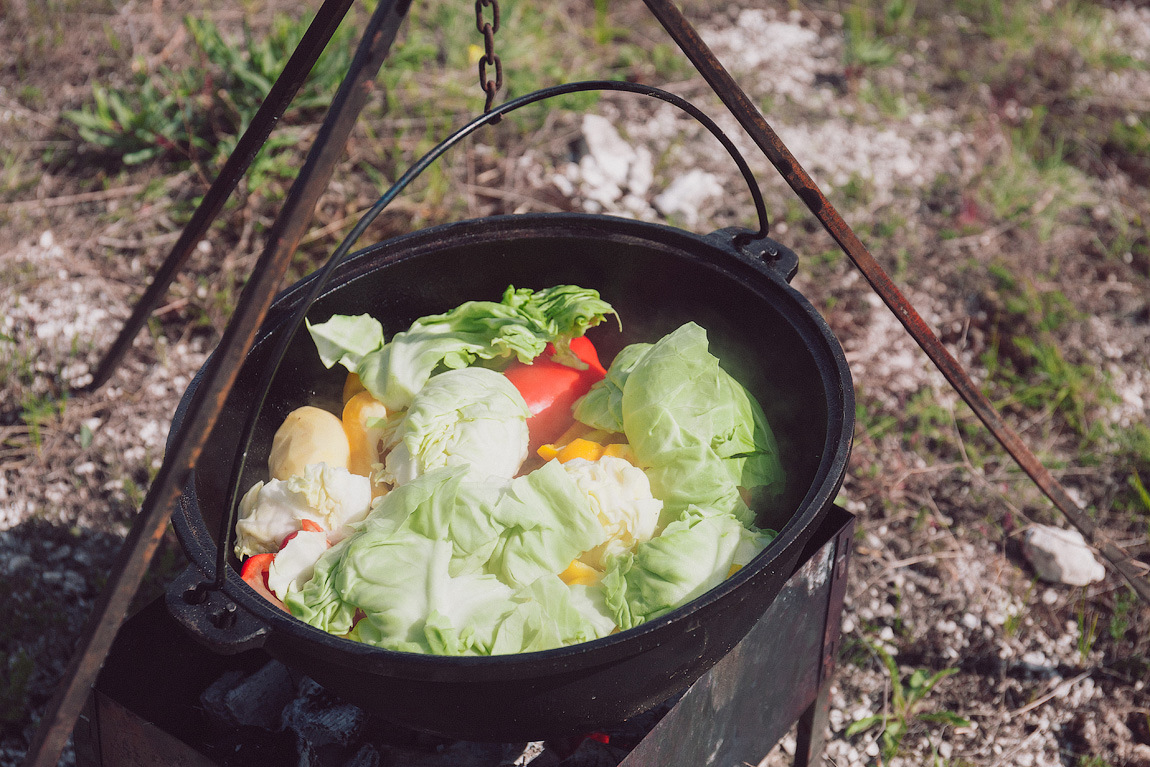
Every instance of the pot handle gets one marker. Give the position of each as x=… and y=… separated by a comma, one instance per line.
x=211, y=617
x=761, y=252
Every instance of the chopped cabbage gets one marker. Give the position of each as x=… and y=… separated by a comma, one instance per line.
x=696, y=431
x=519, y=326
x=689, y=558
x=404, y=573
x=346, y=339
x=602, y=407
x=471, y=416
x=292, y=566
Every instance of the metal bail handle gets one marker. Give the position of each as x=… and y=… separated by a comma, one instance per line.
x=740, y=239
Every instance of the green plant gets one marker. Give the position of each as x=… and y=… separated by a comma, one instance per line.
x=905, y=702
x=1087, y=631
x=1091, y=761
x=1008, y=188
x=1120, y=617
x=196, y=113
x=1025, y=359
x=1135, y=482
x=865, y=45
x=36, y=411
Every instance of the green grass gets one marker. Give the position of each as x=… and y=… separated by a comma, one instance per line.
x=36, y=411
x=1026, y=363
x=907, y=697
x=195, y=114
x=872, y=32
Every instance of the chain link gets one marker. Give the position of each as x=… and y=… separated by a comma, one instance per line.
x=489, y=59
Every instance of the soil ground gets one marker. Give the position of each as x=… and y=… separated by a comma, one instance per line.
x=995, y=159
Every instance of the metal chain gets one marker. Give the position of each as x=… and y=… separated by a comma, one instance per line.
x=488, y=30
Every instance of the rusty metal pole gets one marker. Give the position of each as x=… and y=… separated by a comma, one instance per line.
x=219, y=375
x=744, y=110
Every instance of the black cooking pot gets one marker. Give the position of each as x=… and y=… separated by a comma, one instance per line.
x=766, y=334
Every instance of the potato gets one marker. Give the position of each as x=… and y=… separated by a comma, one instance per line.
x=308, y=435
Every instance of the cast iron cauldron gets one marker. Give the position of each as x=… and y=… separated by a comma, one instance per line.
x=766, y=334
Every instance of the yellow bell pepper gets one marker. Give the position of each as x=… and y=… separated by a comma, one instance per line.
x=362, y=441
x=580, y=574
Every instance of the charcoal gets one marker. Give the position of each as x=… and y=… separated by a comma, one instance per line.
x=320, y=718
x=259, y=700
x=212, y=698
x=535, y=754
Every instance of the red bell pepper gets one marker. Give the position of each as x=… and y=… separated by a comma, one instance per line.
x=550, y=389
x=255, y=574
x=307, y=526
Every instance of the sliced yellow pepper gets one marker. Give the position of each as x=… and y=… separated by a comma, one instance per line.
x=621, y=450
x=589, y=447
x=581, y=448
x=351, y=387
x=362, y=441
x=580, y=574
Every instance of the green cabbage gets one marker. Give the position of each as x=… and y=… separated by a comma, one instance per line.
x=471, y=416
x=689, y=558
x=602, y=406
x=450, y=563
x=458, y=559
x=521, y=325
x=698, y=434
x=346, y=339
x=553, y=524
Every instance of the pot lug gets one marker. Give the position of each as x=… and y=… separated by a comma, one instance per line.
x=761, y=252
x=211, y=617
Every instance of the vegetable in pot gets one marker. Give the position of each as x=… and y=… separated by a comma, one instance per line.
x=456, y=544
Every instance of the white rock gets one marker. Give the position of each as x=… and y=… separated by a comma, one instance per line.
x=1061, y=556
x=687, y=194
x=611, y=153
x=612, y=175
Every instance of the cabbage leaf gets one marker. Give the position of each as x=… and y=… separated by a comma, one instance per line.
x=690, y=557
x=696, y=431
x=550, y=524
x=471, y=416
x=520, y=326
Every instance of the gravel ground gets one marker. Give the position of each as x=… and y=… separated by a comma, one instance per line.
x=1047, y=674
